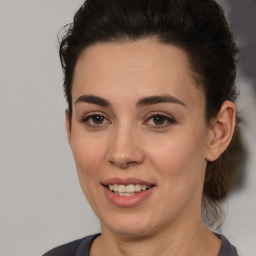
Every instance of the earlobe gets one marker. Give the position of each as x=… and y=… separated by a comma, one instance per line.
x=67, y=123
x=221, y=131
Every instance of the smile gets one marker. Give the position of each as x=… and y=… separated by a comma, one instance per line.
x=128, y=190
x=127, y=193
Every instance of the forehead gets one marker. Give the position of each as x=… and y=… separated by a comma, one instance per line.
x=139, y=68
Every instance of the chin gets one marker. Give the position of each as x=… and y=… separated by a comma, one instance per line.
x=130, y=225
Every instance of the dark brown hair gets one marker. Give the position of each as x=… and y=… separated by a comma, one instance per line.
x=199, y=27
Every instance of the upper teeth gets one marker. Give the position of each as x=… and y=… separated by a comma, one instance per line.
x=131, y=188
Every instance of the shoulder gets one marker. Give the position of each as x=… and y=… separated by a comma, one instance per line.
x=73, y=248
x=226, y=249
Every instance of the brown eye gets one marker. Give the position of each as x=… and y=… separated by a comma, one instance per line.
x=158, y=120
x=97, y=119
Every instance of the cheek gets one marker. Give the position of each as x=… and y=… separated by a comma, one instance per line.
x=180, y=162
x=181, y=170
x=89, y=155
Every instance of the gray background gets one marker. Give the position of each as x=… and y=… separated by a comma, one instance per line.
x=41, y=204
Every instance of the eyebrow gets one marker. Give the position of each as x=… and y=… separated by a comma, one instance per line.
x=94, y=100
x=159, y=99
x=151, y=100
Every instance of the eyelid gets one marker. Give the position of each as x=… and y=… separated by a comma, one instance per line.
x=170, y=119
x=93, y=113
x=89, y=115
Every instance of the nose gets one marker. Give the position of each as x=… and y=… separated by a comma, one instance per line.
x=125, y=149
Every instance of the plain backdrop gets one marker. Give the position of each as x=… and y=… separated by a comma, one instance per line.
x=41, y=203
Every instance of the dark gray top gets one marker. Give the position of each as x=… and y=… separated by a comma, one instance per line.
x=81, y=247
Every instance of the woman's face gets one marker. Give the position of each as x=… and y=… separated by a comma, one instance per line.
x=138, y=119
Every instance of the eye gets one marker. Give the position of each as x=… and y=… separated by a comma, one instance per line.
x=160, y=121
x=95, y=121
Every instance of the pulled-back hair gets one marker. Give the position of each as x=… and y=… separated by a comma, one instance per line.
x=199, y=27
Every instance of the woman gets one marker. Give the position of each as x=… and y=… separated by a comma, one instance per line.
x=151, y=122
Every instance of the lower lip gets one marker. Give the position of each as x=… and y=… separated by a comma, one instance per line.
x=128, y=201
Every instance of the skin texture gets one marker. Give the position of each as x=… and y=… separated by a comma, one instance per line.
x=129, y=143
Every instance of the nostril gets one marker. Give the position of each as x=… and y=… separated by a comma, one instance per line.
x=122, y=165
x=125, y=156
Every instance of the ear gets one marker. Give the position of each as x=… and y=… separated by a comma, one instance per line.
x=68, y=128
x=221, y=130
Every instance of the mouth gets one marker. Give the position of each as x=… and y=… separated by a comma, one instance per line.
x=128, y=190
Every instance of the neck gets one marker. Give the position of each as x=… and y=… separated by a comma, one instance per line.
x=188, y=239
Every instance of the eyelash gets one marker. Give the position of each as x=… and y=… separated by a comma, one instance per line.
x=167, y=121
x=87, y=120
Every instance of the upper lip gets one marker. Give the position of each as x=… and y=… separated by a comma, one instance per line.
x=126, y=181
